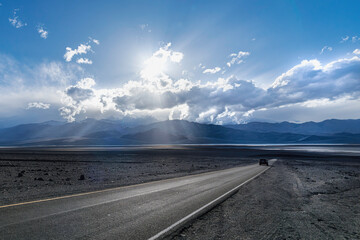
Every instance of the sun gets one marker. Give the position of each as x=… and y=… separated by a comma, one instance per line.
x=153, y=68
x=156, y=65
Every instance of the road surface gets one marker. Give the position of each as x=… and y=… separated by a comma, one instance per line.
x=133, y=212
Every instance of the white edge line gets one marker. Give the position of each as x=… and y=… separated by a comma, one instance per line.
x=186, y=218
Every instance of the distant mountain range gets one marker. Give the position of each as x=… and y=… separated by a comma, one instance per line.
x=327, y=127
x=112, y=132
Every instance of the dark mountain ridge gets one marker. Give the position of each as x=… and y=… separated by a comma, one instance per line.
x=327, y=127
x=112, y=132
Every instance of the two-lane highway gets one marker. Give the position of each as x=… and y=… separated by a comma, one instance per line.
x=133, y=212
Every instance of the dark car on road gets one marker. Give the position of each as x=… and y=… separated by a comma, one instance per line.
x=263, y=162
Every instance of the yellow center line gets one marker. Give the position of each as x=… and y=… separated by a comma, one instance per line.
x=107, y=190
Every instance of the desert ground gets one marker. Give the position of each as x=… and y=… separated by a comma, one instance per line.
x=30, y=174
x=304, y=195
x=300, y=197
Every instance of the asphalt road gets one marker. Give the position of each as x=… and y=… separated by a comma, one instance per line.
x=133, y=212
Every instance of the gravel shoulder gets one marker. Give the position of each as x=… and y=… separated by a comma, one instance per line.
x=295, y=199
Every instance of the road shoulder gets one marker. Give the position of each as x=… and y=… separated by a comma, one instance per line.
x=293, y=200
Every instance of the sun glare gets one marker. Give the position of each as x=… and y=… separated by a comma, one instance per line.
x=153, y=67
x=156, y=65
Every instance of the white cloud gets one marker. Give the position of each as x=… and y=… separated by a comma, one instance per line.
x=344, y=39
x=21, y=76
x=21, y=84
x=212, y=70
x=81, y=49
x=155, y=66
x=77, y=98
x=237, y=58
x=39, y=105
x=84, y=61
x=326, y=48
x=79, y=94
x=176, y=57
x=86, y=83
x=311, y=80
x=16, y=21
x=355, y=39
x=308, y=85
x=199, y=102
x=145, y=27
x=342, y=108
x=356, y=51
x=43, y=33
x=226, y=100
x=200, y=66
x=232, y=100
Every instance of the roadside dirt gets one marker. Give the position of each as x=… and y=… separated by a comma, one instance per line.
x=31, y=175
x=294, y=199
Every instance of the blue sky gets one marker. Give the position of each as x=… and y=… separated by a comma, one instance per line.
x=194, y=60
